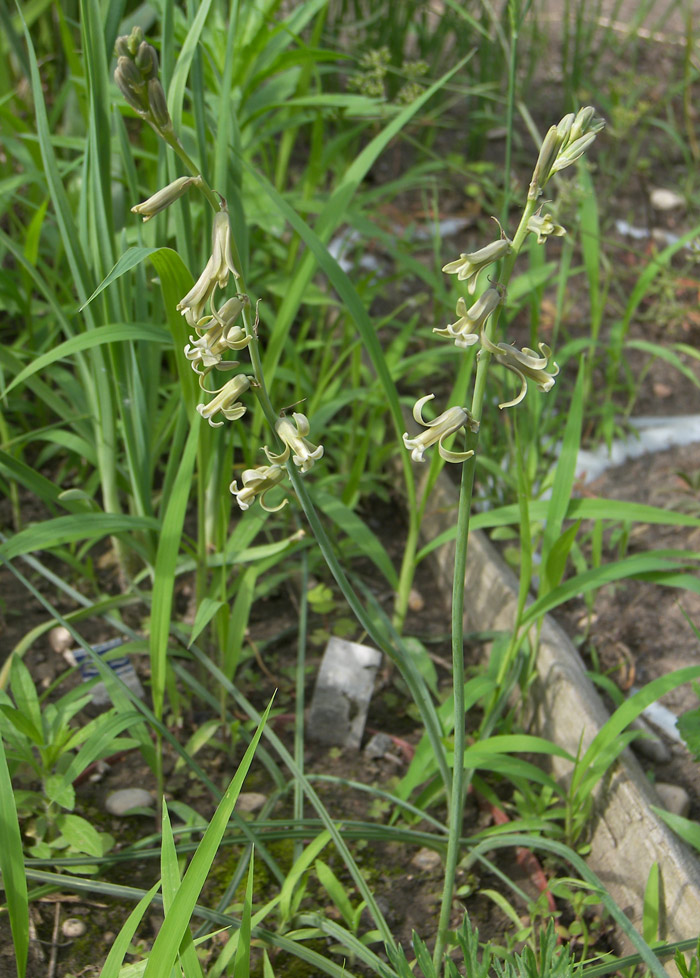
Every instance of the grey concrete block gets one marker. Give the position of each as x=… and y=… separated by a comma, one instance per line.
x=342, y=693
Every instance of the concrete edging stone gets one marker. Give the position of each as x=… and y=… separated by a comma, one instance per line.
x=627, y=837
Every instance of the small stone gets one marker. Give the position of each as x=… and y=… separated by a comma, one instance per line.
x=73, y=927
x=650, y=745
x=665, y=200
x=60, y=639
x=122, y=801
x=249, y=801
x=377, y=746
x=415, y=600
x=426, y=859
x=674, y=798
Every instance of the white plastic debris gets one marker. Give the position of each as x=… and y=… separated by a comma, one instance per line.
x=342, y=693
x=650, y=435
x=120, y=666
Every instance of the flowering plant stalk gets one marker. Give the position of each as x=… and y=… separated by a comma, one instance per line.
x=562, y=146
x=221, y=327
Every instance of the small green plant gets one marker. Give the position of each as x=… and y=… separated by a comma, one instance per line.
x=47, y=752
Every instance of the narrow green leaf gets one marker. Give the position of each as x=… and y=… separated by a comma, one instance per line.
x=165, y=947
x=118, y=950
x=358, y=531
x=112, y=333
x=68, y=529
x=651, y=907
x=166, y=562
x=130, y=259
x=12, y=868
x=241, y=967
x=206, y=610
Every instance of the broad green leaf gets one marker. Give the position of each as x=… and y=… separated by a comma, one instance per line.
x=81, y=834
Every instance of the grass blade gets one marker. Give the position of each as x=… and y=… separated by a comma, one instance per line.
x=14, y=880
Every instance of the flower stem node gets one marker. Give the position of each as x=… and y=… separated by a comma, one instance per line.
x=165, y=197
x=472, y=319
x=293, y=434
x=544, y=227
x=258, y=482
x=216, y=271
x=524, y=364
x=467, y=267
x=438, y=430
x=226, y=401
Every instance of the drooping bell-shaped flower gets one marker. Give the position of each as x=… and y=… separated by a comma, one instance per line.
x=216, y=271
x=293, y=435
x=438, y=430
x=544, y=227
x=465, y=331
x=525, y=364
x=468, y=266
x=165, y=197
x=257, y=483
x=226, y=401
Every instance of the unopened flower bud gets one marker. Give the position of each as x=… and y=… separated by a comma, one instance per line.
x=134, y=39
x=121, y=47
x=582, y=123
x=131, y=84
x=146, y=60
x=165, y=197
x=158, y=105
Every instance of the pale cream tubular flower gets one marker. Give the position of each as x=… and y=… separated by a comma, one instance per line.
x=467, y=267
x=293, y=434
x=226, y=401
x=544, y=227
x=438, y=430
x=216, y=335
x=471, y=319
x=257, y=483
x=165, y=197
x=216, y=271
x=525, y=364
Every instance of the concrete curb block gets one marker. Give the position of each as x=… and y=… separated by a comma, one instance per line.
x=628, y=837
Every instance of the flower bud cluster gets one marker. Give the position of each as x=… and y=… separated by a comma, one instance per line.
x=563, y=145
x=136, y=76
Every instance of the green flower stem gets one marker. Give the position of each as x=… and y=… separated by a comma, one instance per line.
x=458, y=788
